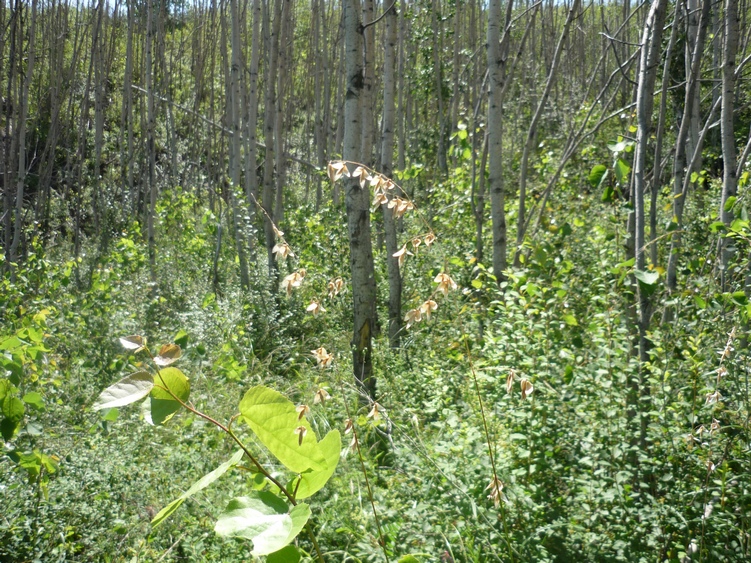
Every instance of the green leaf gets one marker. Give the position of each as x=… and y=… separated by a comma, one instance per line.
x=13, y=410
x=287, y=554
x=570, y=320
x=647, y=277
x=607, y=194
x=162, y=406
x=126, y=391
x=264, y=519
x=729, y=203
x=273, y=418
x=199, y=485
x=409, y=559
x=622, y=171
x=597, y=174
x=10, y=343
x=181, y=338
x=35, y=399
x=313, y=481
x=5, y=388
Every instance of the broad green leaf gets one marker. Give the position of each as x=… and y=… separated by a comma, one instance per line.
x=199, y=485
x=126, y=391
x=647, y=277
x=607, y=194
x=13, y=408
x=313, y=481
x=273, y=418
x=168, y=354
x=10, y=343
x=288, y=554
x=622, y=171
x=597, y=174
x=35, y=399
x=5, y=387
x=162, y=405
x=133, y=342
x=264, y=519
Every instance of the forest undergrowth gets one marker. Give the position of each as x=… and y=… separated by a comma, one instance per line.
x=537, y=368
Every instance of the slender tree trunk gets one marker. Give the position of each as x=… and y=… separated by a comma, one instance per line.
x=532, y=131
x=729, y=153
x=387, y=157
x=22, y=117
x=235, y=152
x=150, y=142
x=438, y=73
x=358, y=211
x=679, y=160
x=272, y=48
x=650, y=57
x=251, y=133
x=496, y=76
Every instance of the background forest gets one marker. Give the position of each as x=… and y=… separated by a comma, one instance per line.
x=490, y=260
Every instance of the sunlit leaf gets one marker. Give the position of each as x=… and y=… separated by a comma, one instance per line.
x=162, y=406
x=128, y=390
x=274, y=419
x=263, y=518
x=313, y=481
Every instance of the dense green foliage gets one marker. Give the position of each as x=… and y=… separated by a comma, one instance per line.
x=515, y=422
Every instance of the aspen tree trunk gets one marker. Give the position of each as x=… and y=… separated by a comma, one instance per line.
x=236, y=127
x=21, y=133
x=269, y=120
x=150, y=143
x=97, y=61
x=679, y=160
x=251, y=134
x=401, y=159
x=366, y=95
x=319, y=54
x=438, y=72
x=729, y=154
x=532, y=131
x=650, y=56
x=5, y=162
x=126, y=154
x=656, y=183
x=694, y=116
x=387, y=168
x=281, y=70
x=496, y=77
x=358, y=211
